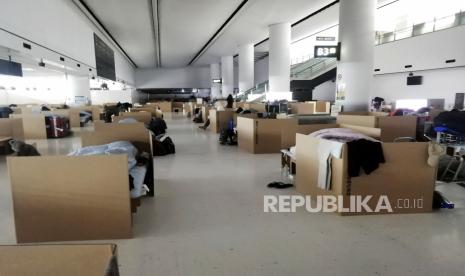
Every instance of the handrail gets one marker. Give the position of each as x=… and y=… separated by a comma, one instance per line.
x=421, y=28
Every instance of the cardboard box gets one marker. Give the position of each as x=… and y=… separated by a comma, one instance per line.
x=263, y=135
x=66, y=198
x=12, y=128
x=303, y=108
x=259, y=107
x=392, y=127
x=405, y=175
x=33, y=125
x=322, y=107
x=205, y=113
x=148, y=108
x=220, y=119
x=165, y=107
x=59, y=259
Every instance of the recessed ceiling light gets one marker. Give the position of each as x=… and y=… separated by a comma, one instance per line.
x=28, y=69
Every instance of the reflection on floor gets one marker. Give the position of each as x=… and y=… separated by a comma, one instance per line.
x=207, y=219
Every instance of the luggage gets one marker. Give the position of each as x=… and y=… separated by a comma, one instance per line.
x=57, y=126
x=5, y=112
x=163, y=146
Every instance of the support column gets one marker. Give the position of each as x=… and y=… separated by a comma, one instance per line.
x=246, y=67
x=227, y=72
x=280, y=62
x=215, y=73
x=355, y=70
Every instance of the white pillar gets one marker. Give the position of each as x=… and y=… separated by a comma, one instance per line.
x=355, y=70
x=280, y=59
x=215, y=74
x=227, y=72
x=246, y=67
x=77, y=86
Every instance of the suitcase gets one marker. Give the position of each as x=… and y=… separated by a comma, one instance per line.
x=57, y=126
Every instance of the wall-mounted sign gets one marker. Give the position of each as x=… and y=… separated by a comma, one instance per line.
x=326, y=52
x=325, y=38
x=217, y=81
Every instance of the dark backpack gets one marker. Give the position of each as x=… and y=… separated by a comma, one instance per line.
x=163, y=147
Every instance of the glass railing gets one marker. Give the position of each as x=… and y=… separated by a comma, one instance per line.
x=437, y=24
x=314, y=68
x=258, y=89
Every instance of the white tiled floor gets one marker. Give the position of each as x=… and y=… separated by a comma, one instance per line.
x=207, y=219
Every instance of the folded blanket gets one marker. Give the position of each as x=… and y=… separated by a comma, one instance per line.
x=342, y=135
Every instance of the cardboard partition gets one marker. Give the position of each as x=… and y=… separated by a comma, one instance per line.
x=239, y=104
x=12, y=128
x=288, y=134
x=405, y=176
x=164, y=106
x=263, y=135
x=144, y=117
x=33, y=125
x=177, y=105
x=323, y=107
x=59, y=259
x=259, y=107
x=303, y=108
x=392, y=127
x=66, y=198
x=220, y=119
x=152, y=109
x=135, y=127
x=205, y=113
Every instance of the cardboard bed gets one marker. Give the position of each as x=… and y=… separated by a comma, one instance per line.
x=303, y=108
x=405, y=176
x=59, y=259
x=392, y=127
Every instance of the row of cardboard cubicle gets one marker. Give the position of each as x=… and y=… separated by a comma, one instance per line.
x=73, y=198
x=406, y=175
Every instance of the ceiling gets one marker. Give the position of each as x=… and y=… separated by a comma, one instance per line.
x=177, y=30
x=175, y=33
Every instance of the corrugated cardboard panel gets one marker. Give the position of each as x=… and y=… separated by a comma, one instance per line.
x=74, y=118
x=397, y=126
x=96, y=110
x=357, y=120
x=246, y=133
x=268, y=134
x=220, y=119
x=205, y=113
x=134, y=133
x=164, y=106
x=33, y=125
x=12, y=128
x=369, y=131
x=303, y=108
x=134, y=127
x=405, y=176
x=144, y=117
x=65, y=198
x=50, y=260
x=152, y=109
x=259, y=107
x=323, y=107
x=288, y=134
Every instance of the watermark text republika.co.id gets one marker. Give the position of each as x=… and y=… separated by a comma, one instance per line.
x=339, y=204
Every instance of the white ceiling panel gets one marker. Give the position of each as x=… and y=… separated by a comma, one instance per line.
x=187, y=25
x=130, y=23
x=251, y=25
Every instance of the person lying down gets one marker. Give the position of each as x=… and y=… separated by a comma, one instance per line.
x=136, y=162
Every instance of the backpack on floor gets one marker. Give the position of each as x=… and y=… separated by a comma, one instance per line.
x=163, y=146
x=157, y=126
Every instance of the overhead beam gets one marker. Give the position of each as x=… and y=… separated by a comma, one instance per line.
x=97, y=23
x=155, y=20
x=217, y=33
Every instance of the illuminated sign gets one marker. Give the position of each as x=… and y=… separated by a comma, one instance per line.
x=326, y=52
x=217, y=81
